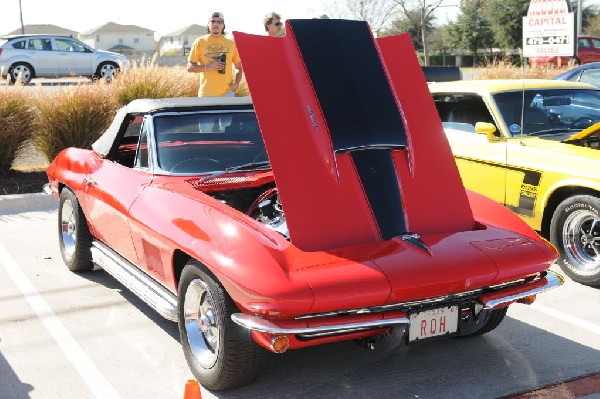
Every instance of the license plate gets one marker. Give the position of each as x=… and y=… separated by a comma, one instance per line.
x=433, y=323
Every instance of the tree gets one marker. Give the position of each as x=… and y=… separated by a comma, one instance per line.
x=437, y=44
x=419, y=12
x=590, y=20
x=412, y=26
x=471, y=30
x=506, y=21
x=593, y=28
x=378, y=13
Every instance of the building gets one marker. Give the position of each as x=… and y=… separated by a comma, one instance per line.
x=124, y=39
x=44, y=30
x=180, y=41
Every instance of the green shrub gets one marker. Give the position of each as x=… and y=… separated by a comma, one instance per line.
x=17, y=115
x=73, y=117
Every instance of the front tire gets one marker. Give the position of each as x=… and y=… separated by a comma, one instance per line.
x=220, y=354
x=575, y=232
x=107, y=70
x=74, y=237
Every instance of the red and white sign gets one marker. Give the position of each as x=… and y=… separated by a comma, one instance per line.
x=548, y=29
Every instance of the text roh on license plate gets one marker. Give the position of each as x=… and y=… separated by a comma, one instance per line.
x=433, y=322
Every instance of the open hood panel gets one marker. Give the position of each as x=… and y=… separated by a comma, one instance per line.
x=356, y=145
x=594, y=129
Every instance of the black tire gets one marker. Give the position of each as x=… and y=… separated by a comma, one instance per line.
x=220, y=354
x=74, y=237
x=107, y=70
x=493, y=321
x=23, y=68
x=575, y=232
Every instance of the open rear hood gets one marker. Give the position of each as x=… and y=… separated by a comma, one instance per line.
x=594, y=129
x=356, y=145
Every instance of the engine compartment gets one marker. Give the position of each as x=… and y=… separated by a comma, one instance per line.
x=260, y=203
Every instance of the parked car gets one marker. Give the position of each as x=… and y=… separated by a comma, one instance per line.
x=267, y=225
x=38, y=56
x=586, y=73
x=533, y=146
x=588, y=50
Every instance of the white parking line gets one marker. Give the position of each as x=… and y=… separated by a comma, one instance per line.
x=586, y=325
x=99, y=386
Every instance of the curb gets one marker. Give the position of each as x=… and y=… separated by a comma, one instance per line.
x=20, y=203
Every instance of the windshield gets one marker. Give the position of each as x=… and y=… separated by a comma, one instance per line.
x=201, y=143
x=549, y=111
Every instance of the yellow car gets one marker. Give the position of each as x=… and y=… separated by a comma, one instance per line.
x=532, y=145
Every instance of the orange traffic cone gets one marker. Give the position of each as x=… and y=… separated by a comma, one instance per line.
x=192, y=390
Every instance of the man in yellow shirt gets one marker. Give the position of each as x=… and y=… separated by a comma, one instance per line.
x=215, y=57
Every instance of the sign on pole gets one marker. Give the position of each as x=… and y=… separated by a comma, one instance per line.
x=548, y=29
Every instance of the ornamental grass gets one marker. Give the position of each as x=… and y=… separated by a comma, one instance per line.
x=145, y=79
x=503, y=69
x=17, y=114
x=73, y=117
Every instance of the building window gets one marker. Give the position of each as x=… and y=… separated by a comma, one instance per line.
x=136, y=39
x=97, y=38
x=120, y=39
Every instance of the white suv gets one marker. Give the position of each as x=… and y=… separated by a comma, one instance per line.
x=35, y=56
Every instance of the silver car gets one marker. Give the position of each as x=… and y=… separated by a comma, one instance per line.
x=35, y=56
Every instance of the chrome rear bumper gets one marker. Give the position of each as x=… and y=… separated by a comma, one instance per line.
x=491, y=300
x=262, y=325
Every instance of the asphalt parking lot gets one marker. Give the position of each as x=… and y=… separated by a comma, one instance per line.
x=65, y=335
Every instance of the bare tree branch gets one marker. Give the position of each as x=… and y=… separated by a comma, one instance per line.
x=378, y=13
x=418, y=12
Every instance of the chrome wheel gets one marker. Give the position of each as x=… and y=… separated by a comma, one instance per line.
x=23, y=70
x=75, y=239
x=68, y=223
x=107, y=71
x=221, y=354
x=575, y=232
x=581, y=240
x=201, y=323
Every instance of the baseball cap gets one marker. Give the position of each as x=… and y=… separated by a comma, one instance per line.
x=217, y=14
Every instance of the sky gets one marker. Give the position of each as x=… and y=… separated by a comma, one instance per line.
x=162, y=17
x=165, y=16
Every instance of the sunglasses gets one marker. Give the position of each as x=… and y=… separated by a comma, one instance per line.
x=216, y=21
x=276, y=23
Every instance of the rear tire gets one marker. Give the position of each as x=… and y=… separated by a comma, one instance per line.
x=492, y=322
x=221, y=354
x=22, y=68
x=74, y=237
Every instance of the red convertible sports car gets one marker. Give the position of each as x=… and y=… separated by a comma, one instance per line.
x=356, y=226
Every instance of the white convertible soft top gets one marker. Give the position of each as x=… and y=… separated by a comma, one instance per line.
x=148, y=106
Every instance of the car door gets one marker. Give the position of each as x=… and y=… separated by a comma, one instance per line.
x=73, y=57
x=112, y=184
x=481, y=158
x=43, y=57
